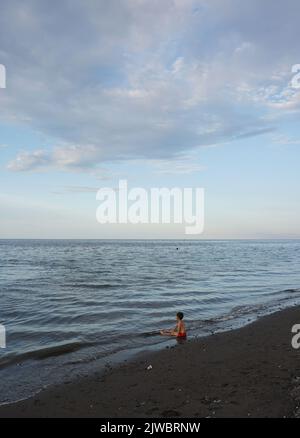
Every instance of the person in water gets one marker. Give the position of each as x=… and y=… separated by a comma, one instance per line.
x=179, y=330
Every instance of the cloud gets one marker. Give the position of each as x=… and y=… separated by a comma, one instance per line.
x=284, y=140
x=144, y=80
x=29, y=161
x=177, y=166
x=81, y=189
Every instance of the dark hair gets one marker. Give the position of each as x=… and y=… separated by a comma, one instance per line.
x=180, y=315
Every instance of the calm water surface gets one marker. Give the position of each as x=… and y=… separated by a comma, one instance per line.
x=68, y=306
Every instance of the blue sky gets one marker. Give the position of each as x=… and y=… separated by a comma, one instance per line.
x=168, y=93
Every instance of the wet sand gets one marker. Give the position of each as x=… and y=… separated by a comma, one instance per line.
x=249, y=372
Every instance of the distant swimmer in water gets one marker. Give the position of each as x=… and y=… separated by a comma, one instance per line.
x=179, y=331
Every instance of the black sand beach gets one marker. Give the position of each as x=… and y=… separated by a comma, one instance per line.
x=249, y=372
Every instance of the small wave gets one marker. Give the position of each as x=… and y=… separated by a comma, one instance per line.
x=44, y=353
x=18, y=400
x=234, y=313
x=291, y=291
x=149, y=334
x=91, y=285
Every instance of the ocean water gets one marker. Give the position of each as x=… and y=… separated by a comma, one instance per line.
x=72, y=306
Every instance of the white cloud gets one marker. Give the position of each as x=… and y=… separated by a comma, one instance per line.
x=177, y=166
x=285, y=140
x=144, y=80
x=29, y=161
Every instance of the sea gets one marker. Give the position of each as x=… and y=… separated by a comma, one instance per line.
x=73, y=307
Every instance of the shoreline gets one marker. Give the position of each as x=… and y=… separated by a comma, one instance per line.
x=251, y=371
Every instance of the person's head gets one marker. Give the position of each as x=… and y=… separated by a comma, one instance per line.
x=179, y=316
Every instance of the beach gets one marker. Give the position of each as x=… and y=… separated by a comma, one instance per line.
x=249, y=372
x=71, y=306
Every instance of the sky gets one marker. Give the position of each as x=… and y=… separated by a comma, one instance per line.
x=162, y=93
